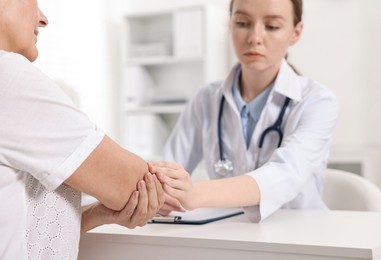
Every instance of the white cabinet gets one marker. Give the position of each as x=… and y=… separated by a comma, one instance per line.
x=168, y=55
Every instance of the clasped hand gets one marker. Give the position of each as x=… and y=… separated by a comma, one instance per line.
x=142, y=206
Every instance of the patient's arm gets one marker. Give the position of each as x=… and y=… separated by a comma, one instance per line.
x=110, y=174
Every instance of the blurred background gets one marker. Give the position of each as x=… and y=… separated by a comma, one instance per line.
x=132, y=65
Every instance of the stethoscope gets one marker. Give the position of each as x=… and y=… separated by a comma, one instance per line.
x=223, y=166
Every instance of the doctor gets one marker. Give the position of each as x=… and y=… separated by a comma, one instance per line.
x=264, y=132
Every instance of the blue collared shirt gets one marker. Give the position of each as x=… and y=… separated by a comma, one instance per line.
x=250, y=112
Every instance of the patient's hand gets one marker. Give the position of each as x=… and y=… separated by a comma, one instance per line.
x=141, y=207
x=151, y=199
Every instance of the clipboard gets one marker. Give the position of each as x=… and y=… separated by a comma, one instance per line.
x=198, y=216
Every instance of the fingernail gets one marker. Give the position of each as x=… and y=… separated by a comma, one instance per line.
x=142, y=184
x=149, y=177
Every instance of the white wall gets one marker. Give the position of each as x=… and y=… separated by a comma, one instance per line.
x=339, y=48
x=74, y=50
x=140, y=5
x=81, y=48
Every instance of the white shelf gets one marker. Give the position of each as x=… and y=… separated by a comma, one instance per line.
x=167, y=56
x=162, y=60
x=156, y=109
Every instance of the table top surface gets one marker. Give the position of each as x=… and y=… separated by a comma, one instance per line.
x=326, y=232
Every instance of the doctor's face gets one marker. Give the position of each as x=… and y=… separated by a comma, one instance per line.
x=19, y=24
x=262, y=31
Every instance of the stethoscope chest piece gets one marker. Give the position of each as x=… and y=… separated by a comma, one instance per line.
x=224, y=167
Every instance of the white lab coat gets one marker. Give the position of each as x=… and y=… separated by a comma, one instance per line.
x=291, y=176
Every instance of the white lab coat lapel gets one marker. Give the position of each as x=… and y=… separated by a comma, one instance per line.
x=287, y=84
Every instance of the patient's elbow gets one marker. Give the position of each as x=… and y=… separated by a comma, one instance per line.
x=116, y=200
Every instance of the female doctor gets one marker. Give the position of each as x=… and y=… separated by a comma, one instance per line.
x=264, y=132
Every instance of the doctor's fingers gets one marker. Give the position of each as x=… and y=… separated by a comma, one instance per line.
x=164, y=211
x=181, y=183
x=176, y=193
x=163, y=177
x=168, y=208
x=166, y=164
x=173, y=203
x=172, y=173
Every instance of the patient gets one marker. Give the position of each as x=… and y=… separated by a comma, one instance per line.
x=50, y=152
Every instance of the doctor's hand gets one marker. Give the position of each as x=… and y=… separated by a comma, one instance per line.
x=170, y=204
x=176, y=182
x=141, y=207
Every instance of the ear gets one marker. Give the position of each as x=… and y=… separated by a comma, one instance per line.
x=297, y=33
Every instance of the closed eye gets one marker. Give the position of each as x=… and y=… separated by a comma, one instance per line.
x=241, y=24
x=272, y=27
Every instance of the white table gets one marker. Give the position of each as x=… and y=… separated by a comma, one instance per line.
x=288, y=234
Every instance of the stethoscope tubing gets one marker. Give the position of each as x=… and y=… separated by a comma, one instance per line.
x=220, y=146
x=275, y=127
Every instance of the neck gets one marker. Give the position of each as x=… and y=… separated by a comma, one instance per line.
x=253, y=83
